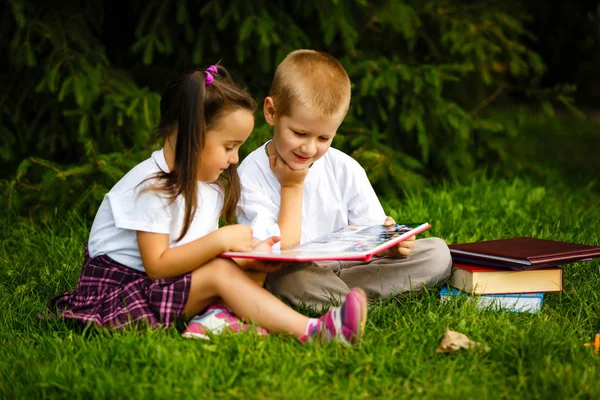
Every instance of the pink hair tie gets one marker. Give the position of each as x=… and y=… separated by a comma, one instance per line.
x=209, y=78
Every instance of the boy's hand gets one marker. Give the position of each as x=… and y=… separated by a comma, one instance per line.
x=287, y=177
x=264, y=266
x=403, y=248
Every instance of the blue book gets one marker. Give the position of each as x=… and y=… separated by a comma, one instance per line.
x=515, y=302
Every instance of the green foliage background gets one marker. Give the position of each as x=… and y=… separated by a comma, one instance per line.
x=81, y=84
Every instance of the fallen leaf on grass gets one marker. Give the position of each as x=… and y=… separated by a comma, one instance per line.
x=454, y=341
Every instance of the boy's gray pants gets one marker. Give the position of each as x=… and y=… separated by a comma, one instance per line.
x=326, y=282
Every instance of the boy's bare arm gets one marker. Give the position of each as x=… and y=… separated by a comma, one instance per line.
x=290, y=209
x=290, y=216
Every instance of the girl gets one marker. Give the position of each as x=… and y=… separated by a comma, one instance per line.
x=151, y=254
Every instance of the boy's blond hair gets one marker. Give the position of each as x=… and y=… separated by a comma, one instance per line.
x=315, y=79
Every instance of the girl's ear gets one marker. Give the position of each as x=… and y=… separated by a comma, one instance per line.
x=269, y=110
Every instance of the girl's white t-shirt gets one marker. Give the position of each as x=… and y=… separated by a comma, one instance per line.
x=125, y=210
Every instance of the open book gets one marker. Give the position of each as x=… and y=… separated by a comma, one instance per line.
x=353, y=242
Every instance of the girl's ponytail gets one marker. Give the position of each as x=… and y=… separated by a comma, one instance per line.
x=191, y=127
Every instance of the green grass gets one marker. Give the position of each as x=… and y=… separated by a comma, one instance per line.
x=532, y=355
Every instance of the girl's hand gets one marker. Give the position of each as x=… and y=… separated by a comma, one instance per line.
x=403, y=248
x=287, y=177
x=261, y=265
x=236, y=237
x=266, y=246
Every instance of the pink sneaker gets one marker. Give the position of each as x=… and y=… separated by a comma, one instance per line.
x=345, y=323
x=215, y=320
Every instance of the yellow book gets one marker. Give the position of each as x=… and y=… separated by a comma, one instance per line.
x=482, y=280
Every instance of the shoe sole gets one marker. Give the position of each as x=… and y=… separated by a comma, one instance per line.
x=359, y=328
x=364, y=307
x=192, y=335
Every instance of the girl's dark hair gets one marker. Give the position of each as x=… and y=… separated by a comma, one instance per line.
x=190, y=107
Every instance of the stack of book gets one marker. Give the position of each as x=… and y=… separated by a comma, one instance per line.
x=512, y=274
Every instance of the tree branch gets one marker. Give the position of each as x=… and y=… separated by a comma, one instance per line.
x=486, y=102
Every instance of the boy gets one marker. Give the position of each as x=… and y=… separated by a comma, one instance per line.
x=297, y=187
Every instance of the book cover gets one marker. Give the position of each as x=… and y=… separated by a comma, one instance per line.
x=483, y=280
x=524, y=252
x=481, y=262
x=518, y=302
x=353, y=242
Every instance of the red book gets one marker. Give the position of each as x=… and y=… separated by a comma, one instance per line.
x=522, y=252
x=481, y=280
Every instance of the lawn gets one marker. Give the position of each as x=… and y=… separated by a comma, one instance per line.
x=531, y=355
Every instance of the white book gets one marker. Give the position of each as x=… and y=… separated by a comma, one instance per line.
x=516, y=302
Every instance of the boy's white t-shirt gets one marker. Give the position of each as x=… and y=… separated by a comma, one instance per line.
x=125, y=210
x=337, y=193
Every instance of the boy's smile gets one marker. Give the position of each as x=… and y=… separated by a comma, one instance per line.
x=302, y=159
x=302, y=137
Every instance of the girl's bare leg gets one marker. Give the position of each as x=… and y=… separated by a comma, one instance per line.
x=222, y=278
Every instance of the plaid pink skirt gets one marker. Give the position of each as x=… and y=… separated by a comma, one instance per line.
x=111, y=294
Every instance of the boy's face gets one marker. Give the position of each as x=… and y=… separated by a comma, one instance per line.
x=302, y=137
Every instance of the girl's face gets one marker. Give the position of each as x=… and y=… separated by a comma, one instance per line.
x=221, y=144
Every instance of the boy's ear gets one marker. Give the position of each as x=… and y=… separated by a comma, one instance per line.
x=269, y=110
